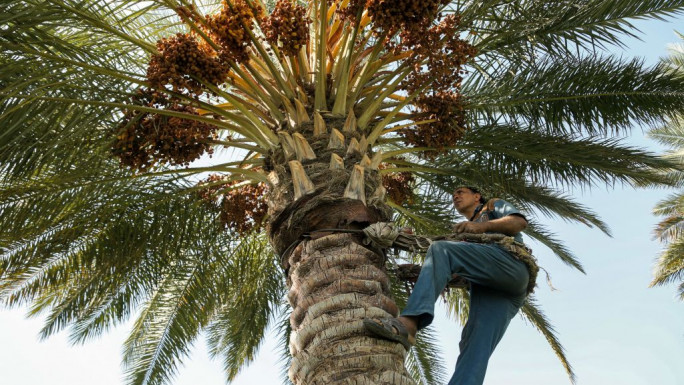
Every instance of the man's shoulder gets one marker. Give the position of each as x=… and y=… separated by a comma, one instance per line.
x=498, y=208
x=492, y=203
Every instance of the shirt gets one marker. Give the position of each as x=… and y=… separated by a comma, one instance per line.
x=500, y=209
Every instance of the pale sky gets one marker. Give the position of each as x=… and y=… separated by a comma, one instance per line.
x=614, y=328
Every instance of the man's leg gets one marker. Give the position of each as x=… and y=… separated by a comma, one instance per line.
x=490, y=313
x=481, y=264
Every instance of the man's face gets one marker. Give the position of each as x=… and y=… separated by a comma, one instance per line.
x=464, y=198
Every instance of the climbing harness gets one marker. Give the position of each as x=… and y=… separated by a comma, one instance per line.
x=383, y=235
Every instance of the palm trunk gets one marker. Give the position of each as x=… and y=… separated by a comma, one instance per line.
x=322, y=178
x=335, y=284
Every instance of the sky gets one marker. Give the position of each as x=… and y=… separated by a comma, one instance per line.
x=614, y=328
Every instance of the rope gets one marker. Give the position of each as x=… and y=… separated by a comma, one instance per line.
x=286, y=254
x=383, y=235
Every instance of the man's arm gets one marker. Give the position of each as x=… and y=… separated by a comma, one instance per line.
x=509, y=225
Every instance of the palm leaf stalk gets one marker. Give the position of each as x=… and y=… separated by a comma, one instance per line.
x=342, y=113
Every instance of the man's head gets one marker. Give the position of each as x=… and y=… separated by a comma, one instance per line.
x=467, y=198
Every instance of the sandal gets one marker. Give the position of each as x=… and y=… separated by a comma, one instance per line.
x=390, y=329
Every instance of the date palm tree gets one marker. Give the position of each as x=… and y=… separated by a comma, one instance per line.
x=670, y=265
x=321, y=118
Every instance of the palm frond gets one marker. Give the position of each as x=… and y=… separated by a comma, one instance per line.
x=670, y=229
x=594, y=95
x=252, y=295
x=532, y=313
x=514, y=29
x=284, y=331
x=670, y=266
x=458, y=305
x=565, y=160
x=552, y=204
x=424, y=360
x=210, y=300
x=671, y=134
x=168, y=324
x=539, y=233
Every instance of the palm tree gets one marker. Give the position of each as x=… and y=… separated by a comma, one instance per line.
x=337, y=115
x=670, y=265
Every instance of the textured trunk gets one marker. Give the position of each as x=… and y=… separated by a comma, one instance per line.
x=323, y=176
x=335, y=284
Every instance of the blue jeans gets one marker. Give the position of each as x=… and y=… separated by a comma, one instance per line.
x=498, y=290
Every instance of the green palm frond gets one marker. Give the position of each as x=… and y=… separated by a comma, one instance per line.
x=284, y=331
x=670, y=265
x=541, y=234
x=671, y=227
x=458, y=305
x=427, y=214
x=671, y=205
x=424, y=360
x=552, y=159
x=253, y=290
x=146, y=251
x=595, y=95
x=675, y=60
x=553, y=204
x=49, y=228
x=670, y=230
x=223, y=292
x=169, y=322
x=671, y=135
x=560, y=27
x=532, y=313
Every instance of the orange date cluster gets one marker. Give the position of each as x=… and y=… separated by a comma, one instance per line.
x=242, y=208
x=181, y=63
x=145, y=139
x=287, y=27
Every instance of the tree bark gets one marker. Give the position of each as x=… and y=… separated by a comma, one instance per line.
x=334, y=284
x=325, y=180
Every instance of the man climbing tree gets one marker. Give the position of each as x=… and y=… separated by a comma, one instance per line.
x=499, y=282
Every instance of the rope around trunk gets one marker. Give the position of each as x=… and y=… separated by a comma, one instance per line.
x=383, y=235
x=386, y=234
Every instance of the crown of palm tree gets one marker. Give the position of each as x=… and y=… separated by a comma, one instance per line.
x=410, y=99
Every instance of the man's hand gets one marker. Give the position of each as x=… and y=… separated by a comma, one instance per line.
x=406, y=230
x=509, y=225
x=470, y=227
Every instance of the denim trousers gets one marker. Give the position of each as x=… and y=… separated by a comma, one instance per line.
x=498, y=285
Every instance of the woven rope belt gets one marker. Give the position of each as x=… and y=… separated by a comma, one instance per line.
x=386, y=234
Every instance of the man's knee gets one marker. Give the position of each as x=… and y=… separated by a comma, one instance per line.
x=437, y=247
x=437, y=256
x=440, y=250
x=442, y=247
x=445, y=249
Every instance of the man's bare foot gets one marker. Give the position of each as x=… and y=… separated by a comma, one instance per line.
x=410, y=324
x=411, y=327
